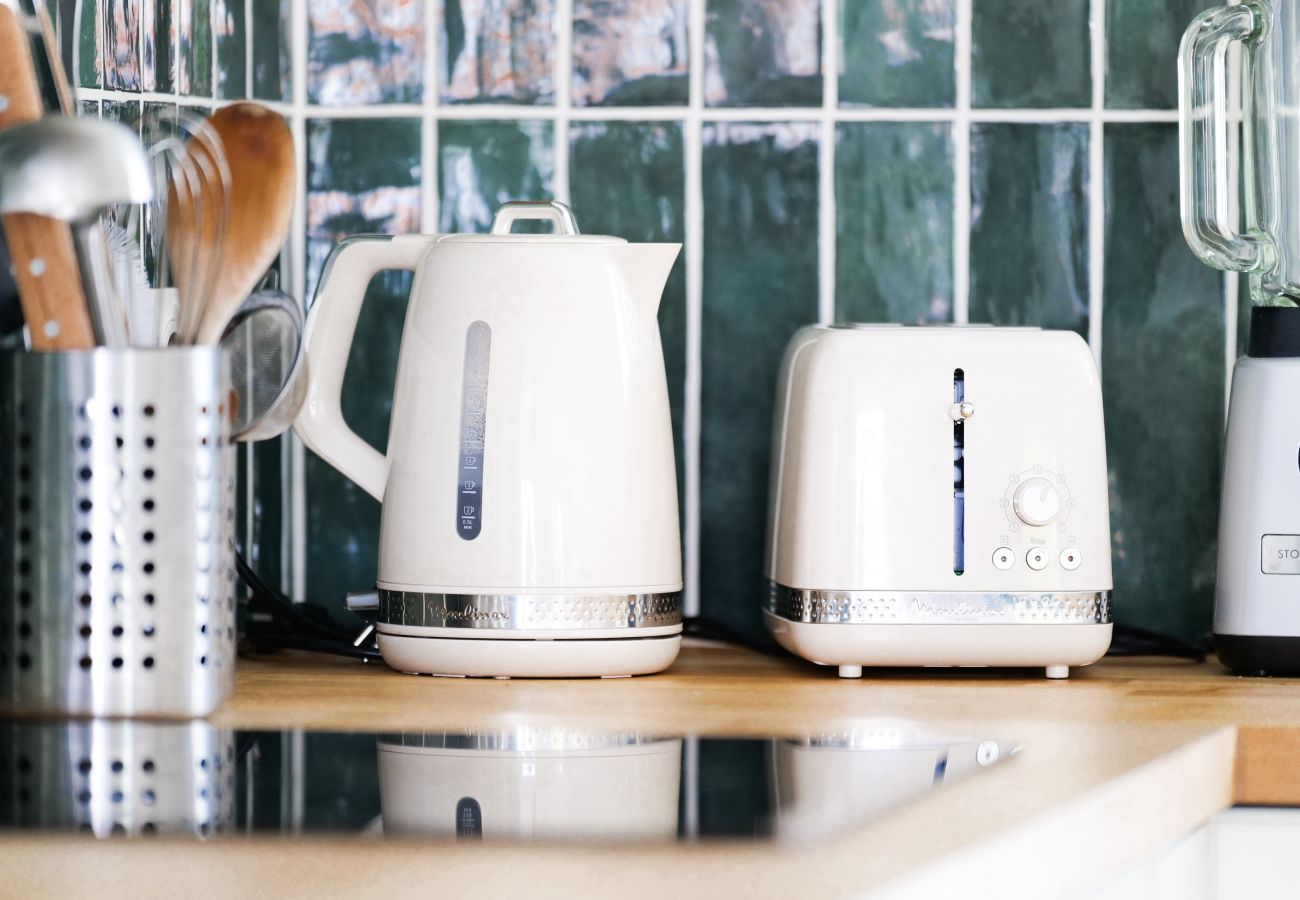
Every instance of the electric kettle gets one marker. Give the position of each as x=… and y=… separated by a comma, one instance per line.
x=529, y=524
x=1256, y=617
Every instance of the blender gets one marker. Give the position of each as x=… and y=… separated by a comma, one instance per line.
x=1257, y=595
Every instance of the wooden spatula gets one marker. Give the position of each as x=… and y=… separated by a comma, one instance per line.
x=259, y=155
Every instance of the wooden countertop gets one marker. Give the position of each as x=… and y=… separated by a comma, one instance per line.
x=1119, y=760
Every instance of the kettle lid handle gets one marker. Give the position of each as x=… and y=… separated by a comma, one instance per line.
x=517, y=210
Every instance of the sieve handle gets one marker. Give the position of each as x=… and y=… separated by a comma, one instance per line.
x=331, y=324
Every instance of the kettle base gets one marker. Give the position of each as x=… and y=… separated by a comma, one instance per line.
x=524, y=658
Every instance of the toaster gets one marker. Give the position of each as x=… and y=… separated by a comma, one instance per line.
x=939, y=498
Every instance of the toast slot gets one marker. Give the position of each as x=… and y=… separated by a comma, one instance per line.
x=958, y=476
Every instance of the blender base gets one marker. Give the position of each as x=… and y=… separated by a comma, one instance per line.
x=1259, y=655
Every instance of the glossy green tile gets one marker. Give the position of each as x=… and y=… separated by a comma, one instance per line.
x=122, y=45
x=483, y=164
x=1163, y=382
x=156, y=43
x=630, y=52
x=128, y=112
x=1029, y=225
x=89, y=60
x=1030, y=53
x=761, y=53
x=363, y=176
x=194, y=27
x=760, y=285
x=365, y=53
x=897, y=53
x=500, y=52
x=231, y=32
x=1142, y=51
x=893, y=212
x=628, y=179
x=272, y=59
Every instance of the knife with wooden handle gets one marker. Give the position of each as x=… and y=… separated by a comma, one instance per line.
x=44, y=258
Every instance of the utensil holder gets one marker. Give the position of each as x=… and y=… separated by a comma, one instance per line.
x=117, y=499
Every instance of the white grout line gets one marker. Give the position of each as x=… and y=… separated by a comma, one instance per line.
x=214, y=68
x=297, y=474
x=745, y=114
x=429, y=124
x=1097, y=182
x=693, y=146
x=249, y=67
x=562, y=26
x=826, y=223
x=961, y=206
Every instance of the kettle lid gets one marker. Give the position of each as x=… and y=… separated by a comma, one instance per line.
x=566, y=226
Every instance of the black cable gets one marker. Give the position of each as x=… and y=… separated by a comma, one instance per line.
x=323, y=636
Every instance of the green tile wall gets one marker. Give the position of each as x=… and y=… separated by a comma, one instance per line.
x=1029, y=225
x=897, y=53
x=760, y=284
x=929, y=214
x=1163, y=382
x=893, y=241
x=1027, y=53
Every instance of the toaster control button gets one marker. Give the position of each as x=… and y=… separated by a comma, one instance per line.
x=1036, y=559
x=1037, y=502
x=1004, y=558
x=1070, y=559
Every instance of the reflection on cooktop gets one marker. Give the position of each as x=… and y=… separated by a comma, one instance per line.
x=527, y=782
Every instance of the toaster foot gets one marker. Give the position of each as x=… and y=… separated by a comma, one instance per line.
x=850, y=671
x=1058, y=671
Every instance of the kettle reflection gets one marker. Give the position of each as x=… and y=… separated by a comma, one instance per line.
x=531, y=783
x=822, y=783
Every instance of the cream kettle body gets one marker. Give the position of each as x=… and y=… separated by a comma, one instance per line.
x=529, y=523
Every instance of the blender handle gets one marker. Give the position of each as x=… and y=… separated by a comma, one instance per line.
x=331, y=325
x=1203, y=138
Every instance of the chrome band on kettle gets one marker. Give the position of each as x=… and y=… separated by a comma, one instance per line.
x=530, y=611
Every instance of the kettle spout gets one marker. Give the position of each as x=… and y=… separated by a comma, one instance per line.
x=645, y=268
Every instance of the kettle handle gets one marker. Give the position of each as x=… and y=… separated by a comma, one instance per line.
x=331, y=324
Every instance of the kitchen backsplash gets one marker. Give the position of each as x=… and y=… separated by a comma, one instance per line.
x=1004, y=161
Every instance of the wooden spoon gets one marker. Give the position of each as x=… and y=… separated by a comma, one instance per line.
x=259, y=156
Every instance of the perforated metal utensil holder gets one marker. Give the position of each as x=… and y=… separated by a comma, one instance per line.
x=117, y=507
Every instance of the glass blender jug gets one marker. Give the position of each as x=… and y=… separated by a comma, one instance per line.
x=1256, y=616
x=1268, y=248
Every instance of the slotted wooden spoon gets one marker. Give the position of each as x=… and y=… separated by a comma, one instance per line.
x=258, y=148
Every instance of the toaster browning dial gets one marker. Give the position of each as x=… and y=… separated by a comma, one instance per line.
x=1036, y=501
x=1037, y=498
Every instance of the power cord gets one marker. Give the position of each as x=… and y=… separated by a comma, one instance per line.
x=277, y=623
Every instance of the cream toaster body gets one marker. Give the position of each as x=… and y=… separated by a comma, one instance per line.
x=939, y=498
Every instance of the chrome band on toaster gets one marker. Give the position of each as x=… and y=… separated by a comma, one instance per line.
x=936, y=607
x=530, y=611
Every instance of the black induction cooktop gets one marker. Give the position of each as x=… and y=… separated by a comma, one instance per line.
x=527, y=782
